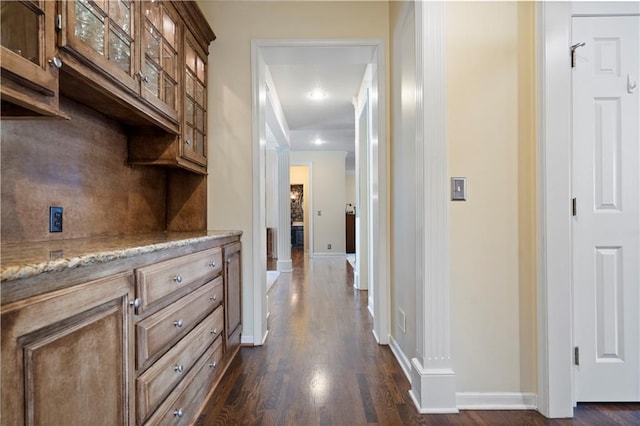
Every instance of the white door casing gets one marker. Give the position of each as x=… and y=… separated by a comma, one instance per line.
x=606, y=228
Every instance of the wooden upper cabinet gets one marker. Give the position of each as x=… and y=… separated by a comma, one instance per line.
x=130, y=45
x=188, y=149
x=28, y=57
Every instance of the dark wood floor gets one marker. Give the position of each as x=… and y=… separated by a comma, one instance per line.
x=322, y=366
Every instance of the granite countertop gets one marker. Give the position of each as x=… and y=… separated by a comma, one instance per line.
x=24, y=260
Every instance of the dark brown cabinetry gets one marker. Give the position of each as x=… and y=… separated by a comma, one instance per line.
x=233, y=295
x=67, y=356
x=28, y=59
x=350, y=226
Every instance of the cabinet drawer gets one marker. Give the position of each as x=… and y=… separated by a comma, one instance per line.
x=155, y=332
x=157, y=281
x=181, y=405
x=155, y=383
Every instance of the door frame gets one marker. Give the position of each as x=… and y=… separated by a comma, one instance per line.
x=308, y=193
x=379, y=239
x=556, y=396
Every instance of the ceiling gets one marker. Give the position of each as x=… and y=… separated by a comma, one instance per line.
x=337, y=71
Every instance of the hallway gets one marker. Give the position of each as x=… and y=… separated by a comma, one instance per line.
x=322, y=366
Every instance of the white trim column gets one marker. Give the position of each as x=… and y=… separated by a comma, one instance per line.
x=284, y=211
x=433, y=386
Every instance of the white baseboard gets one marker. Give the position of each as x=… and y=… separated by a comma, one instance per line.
x=496, y=401
x=402, y=359
x=329, y=256
x=247, y=340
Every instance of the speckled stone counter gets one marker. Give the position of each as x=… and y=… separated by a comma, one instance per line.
x=26, y=260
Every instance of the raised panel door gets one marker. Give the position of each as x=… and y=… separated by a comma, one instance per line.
x=67, y=356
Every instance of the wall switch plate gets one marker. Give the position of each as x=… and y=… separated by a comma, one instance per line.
x=55, y=219
x=458, y=189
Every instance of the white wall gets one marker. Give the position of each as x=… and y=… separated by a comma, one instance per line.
x=403, y=171
x=271, y=183
x=236, y=23
x=350, y=188
x=328, y=196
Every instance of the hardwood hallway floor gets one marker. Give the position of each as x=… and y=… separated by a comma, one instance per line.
x=322, y=366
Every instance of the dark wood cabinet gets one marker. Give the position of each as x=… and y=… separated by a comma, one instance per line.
x=28, y=59
x=233, y=295
x=67, y=356
x=350, y=237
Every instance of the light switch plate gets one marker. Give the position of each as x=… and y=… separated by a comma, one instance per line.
x=458, y=189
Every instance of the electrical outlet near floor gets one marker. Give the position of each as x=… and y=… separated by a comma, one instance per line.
x=402, y=320
x=328, y=246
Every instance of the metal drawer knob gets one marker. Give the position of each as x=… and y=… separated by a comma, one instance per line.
x=136, y=303
x=214, y=331
x=179, y=368
x=178, y=413
x=178, y=323
x=228, y=261
x=212, y=264
x=213, y=298
x=56, y=62
x=178, y=278
x=213, y=364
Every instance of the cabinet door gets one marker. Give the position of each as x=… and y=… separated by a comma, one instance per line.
x=194, y=124
x=233, y=295
x=101, y=34
x=66, y=356
x=159, y=70
x=28, y=44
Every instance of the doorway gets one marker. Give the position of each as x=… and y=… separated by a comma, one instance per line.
x=262, y=54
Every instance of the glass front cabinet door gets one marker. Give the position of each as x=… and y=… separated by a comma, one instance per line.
x=194, y=124
x=28, y=58
x=132, y=43
x=101, y=33
x=159, y=71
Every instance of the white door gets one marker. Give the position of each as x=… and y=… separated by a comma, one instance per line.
x=606, y=228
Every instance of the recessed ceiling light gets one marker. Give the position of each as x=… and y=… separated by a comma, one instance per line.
x=318, y=141
x=317, y=95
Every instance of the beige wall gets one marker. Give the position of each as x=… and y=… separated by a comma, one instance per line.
x=490, y=122
x=236, y=23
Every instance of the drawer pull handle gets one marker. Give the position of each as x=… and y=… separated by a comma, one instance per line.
x=178, y=278
x=136, y=303
x=179, y=368
x=214, y=331
x=212, y=264
x=178, y=323
x=213, y=364
x=178, y=413
x=213, y=298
